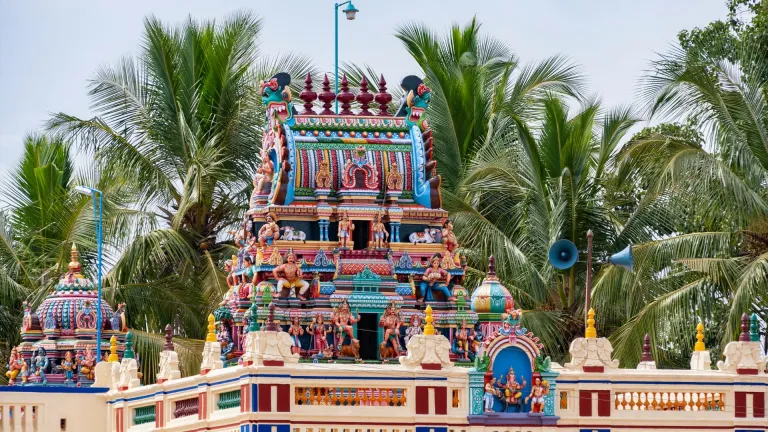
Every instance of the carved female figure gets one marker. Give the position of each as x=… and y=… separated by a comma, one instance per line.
x=319, y=330
x=435, y=279
x=414, y=329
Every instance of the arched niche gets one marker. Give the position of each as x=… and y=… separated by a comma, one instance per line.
x=518, y=353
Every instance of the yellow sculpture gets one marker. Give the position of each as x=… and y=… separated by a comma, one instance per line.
x=590, y=333
x=211, y=337
x=699, y=338
x=113, y=350
x=429, y=329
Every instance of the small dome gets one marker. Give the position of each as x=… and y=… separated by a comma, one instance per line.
x=72, y=304
x=491, y=296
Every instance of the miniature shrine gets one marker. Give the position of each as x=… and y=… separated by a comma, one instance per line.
x=347, y=309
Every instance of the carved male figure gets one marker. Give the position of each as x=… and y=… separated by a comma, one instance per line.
x=345, y=231
x=538, y=391
x=379, y=233
x=293, y=276
x=269, y=231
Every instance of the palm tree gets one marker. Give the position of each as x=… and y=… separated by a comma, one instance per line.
x=716, y=193
x=183, y=121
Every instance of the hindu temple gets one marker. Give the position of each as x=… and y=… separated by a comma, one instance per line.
x=347, y=310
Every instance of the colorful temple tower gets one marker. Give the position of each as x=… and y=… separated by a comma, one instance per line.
x=59, y=338
x=345, y=233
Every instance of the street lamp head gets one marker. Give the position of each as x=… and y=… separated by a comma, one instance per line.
x=83, y=190
x=350, y=11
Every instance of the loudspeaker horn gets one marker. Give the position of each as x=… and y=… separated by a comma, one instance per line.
x=623, y=258
x=563, y=254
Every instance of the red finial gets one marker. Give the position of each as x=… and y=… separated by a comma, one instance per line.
x=168, y=346
x=345, y=97
x=270, y=322
x=364, y=97
x=647, y=357
x=308, y=96
x=383, y=98
x=491, y=266
x=744, y=336
x=327, y=97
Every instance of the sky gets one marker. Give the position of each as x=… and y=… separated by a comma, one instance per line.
x=49, y=49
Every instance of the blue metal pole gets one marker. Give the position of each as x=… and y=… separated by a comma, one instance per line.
x=99, y=227
x=336, y=43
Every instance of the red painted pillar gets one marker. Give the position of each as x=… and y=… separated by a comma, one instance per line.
x=265, y=397
x=202, y=406
x=119, y=419
x=758, y=404
x=603, y=403
x=741, y=404
x=159, y=420
x=245, y=397
x=585, y=403
x=422, y=400
x=441, y=400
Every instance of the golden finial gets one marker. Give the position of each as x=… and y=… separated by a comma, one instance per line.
x=590, y=333
x=75, y=263
x=211, y=337
x=429, y=329
x=113, y=350
x=699, y=338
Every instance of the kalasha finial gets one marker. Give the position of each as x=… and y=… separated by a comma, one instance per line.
x=364, y=97
x=491, y=266
x=383, y=98
x=429, y=329
x=128, y=346
x=308, y=96
x=345, y=97
x=699, y=346
x=211, y=336
x=647, y=357
x=168, y=346
x=74, y=264
x=754, y=336
x=744, y=336
x=590, y=333
x=327, y=97
x=253, y=325
x=112, y=350
x=270, y=323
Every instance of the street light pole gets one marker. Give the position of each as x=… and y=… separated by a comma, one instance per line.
x=98, y=218
x=350, y=11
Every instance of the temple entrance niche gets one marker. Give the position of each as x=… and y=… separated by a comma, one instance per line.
x=362, y=234
x=368, y=335
x=514, y=357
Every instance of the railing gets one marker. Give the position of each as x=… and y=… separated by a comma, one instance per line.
x=19, y=418
x=144, y=415
x=668, y=401
x=185, y=407
x=345, y=396
x=230, y=399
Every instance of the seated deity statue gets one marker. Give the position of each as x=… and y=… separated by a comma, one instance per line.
x=413, y=329
x=270, y=231
x=87, y=363
x=292, y=278
x=264, y=174
x=435, y=279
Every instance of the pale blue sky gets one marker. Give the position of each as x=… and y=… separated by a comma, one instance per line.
x=48, y=49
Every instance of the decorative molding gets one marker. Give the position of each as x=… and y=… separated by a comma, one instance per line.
x=591, y=355
x=743, y=358
x=169, y=367
x=268, y=348
x=427, y=352
x=211, y=357
x=701, y=361
x=129, y=377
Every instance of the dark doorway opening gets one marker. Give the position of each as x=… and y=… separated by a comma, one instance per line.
x=361, y=234
x=368, y=335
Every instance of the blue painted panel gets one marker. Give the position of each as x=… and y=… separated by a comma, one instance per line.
x=516, y=358
x=749, y=430
x=430, y=428
x=594, y=430
x=254, y=398
x=280, y=428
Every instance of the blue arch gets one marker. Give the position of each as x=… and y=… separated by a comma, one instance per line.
x=515, y=357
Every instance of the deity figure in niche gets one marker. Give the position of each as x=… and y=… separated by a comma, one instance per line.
x=490, y=392
x=319, y=330
x=463, y=338
x=68, y=366
x=293, y=276
x=512, y=389
x=390, y=322
x=435, y=279
x=87, y=362
x=41, y=364
x=538, y=391
x=394, y=178
x=14, y=365
x=295, y=330
x=323, y=176
x=264, y=173
x=345, y=232
x=379, y=233
x=449, y=238
x=413, y=329
x=343, y=321
x=269, y=232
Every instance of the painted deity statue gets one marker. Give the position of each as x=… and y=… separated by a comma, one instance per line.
x=346, y=227
x=390, y=322
x=248, y=277
x=293, y=276
x=413, y=329
x=87, y=362
x=463, y=338
x=538, y=391
x=264, y=174
x=295, y=330
x=319, y=330
x=343, y=321
x=269, y=231
x=68, y=366
x=510, y=323
x=323, y=175
x=118, y=319
x=380, y=233
x=512, y=388
x=449, y=238
x=15, y=362
x=435, y=279
x=394, y=178
x=490, y=392
x=228, y=271
x=41, y=364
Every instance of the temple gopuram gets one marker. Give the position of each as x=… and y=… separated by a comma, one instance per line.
x=347, y=311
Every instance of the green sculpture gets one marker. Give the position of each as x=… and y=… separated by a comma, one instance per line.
x=542, y=363
x=276, y=97
x=482, y=362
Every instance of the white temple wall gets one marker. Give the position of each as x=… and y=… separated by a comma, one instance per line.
x=48, y=409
